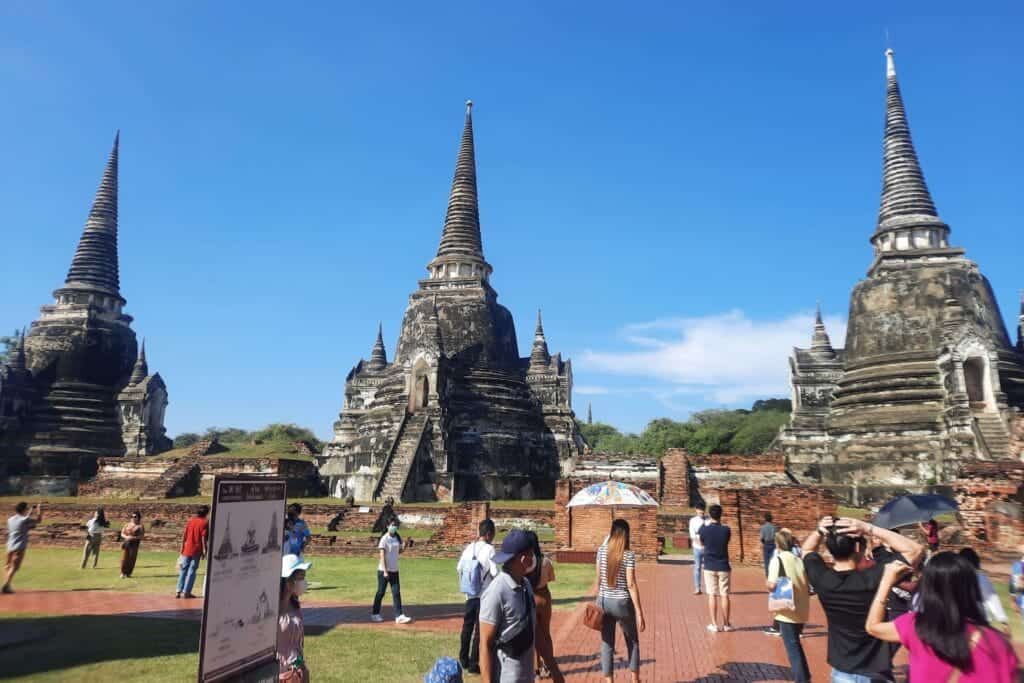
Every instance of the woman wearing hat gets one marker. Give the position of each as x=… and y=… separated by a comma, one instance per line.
x=290, y=660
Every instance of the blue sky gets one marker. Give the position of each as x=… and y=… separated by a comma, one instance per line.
x=674, y=183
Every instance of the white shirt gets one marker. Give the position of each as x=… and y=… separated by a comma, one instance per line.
x=391, y=546
x=696, y=522
x=990, y=601
x=93, y=528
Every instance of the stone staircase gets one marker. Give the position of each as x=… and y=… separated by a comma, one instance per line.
x=163, y=486
x=396, y=470
x=993, y=433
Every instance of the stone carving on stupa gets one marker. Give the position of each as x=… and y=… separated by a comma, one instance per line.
x=78, y=388
x=456, y=414
x=928, y=377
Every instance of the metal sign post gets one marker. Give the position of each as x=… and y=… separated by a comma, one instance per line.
x=238, y=641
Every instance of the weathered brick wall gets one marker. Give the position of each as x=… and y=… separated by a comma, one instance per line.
x=1004, y=527
x=461, y=524
x=206, y=447
x=760, y=462
x=979, y=486
x=797, y=508
x=675, y=478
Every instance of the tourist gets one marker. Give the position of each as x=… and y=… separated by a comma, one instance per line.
x=948, y=638
x=299, y=533
x=291, y=662
x=990, y=602
x=131, y=536
x=618, y=596
x=790, y=623
x=931, y=532
x=390, y=546
x=714, y=536
x=508, y=615
x=18, y=526
x=475, y=570
x=94, y=528
x=767, y=534
x=846, y=594
x=542, y=575
x=193, y=549
x=696, y=523
x=1017, y=582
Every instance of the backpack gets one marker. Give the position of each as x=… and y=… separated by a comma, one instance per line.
x=471, y=581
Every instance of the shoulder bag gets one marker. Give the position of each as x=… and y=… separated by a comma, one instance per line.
x=781, y=598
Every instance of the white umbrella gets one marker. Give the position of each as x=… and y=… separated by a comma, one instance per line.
x=612, y=493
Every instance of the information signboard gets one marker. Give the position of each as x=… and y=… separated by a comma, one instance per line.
x=243, y=574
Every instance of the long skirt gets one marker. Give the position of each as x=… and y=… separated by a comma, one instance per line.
x=129, y=555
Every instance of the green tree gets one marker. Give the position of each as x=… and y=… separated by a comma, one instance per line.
x=779, y=404
x=286, y=432
x=8, y=345
x=758, y=431
x=664, y=433
x=186, y=439
x=228, y=434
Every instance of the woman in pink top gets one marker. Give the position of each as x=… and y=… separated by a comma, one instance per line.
x=948, y=639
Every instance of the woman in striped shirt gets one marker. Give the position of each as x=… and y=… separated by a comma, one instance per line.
x=619, y=596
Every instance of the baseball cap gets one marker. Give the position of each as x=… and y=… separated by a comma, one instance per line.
x=291, y=564
x=515, y=542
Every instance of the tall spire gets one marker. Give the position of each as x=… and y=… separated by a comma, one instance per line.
x=906, y=201
x=141, y=369
x=539, y=357
x=94, y=266
x=379, y=355
x=590, y=413
x=460, y=253
x=17, y=362
x=821, y=345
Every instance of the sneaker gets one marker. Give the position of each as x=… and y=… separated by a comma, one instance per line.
x=727, y=628
x=189, y=596
x=7, y=590
x=770, y=631
x=402, y=619
x=376, y=617
x=712, y=628
x=696, y=592
x=177, y=596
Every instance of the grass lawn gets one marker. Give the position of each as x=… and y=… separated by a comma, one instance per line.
x=425, y=581
x=98, y=648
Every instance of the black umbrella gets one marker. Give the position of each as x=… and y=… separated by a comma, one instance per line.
x=912, y=509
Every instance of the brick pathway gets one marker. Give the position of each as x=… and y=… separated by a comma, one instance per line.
x=676, y=647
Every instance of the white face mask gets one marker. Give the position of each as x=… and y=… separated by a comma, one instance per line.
x=533, y=564
x=300, y=586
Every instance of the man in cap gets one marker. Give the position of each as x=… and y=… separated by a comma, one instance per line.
x=507, y=615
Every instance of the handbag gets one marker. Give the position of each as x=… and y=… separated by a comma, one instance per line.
x=593, y=616
x=781, y=598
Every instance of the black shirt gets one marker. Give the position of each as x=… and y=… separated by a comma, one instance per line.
x=715, y=538
x=846, y=597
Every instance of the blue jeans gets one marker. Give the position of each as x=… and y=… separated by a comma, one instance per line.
x=842, y=677
x=698, y=566
x=794, y=650
x=396, y=592
x=187, y=574
x=618, y=611
x=769, y=551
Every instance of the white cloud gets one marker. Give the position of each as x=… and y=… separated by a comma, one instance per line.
x=589, y=390
x=725, y=358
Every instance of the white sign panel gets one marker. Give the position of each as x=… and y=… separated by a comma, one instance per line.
x=243, y=570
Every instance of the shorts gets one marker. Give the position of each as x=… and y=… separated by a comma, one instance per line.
x=716, y=583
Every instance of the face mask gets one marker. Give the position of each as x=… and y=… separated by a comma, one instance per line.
x=533, y=564
x=392, y=529
x=300, y=586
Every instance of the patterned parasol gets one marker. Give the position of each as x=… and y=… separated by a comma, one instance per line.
x=612, y=493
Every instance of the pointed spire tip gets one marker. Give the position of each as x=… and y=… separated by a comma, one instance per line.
x=890, y=63
x=469, y=107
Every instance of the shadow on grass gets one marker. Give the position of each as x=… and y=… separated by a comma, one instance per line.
x=333, y=615
x=80, y=640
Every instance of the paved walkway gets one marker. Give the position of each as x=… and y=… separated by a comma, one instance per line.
x=676, y=647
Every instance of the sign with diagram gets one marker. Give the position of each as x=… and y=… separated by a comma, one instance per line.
x=243, y=574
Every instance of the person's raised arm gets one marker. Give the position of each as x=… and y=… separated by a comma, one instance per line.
x=634, y=593
x=911, y=550
x=810, y=544
x=488, y=637
x=876, y=624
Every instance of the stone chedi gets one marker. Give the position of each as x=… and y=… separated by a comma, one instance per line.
x=457, y=413
x=77, y=388
x=929, y=376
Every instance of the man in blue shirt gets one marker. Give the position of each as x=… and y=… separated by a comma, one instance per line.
x=715, y=537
